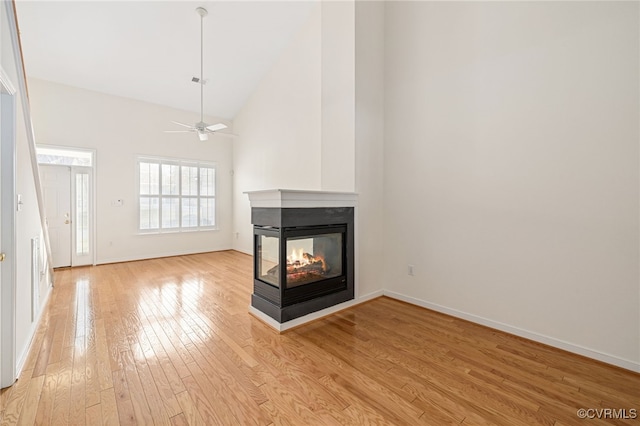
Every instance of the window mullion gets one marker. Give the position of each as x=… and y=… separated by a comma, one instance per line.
x=160, y=195
x=180, y=195
x=198, y=185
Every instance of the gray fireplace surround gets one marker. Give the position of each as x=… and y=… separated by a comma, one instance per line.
x=303, y=251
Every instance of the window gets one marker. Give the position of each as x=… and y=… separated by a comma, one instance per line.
x=64, y=156
x=82, y=213
x=176, y=195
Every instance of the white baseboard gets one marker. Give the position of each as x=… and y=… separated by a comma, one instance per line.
x=156, y=256
x=312, y=316
x=551, y=341
x=21, y=358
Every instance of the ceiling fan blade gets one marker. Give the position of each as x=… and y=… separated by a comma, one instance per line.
x=216, y=127
x=182, y=124
x=178, y=131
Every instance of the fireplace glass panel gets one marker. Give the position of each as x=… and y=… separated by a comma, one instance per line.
x=268, y=267
x=311, y=259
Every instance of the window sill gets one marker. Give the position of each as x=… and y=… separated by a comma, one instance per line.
x=177, y=231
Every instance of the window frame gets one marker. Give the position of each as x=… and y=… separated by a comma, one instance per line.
x=160, y=195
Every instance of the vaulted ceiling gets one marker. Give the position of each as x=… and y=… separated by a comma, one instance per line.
x=150, y=50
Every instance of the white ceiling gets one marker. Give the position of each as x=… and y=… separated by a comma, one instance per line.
x=150, y=50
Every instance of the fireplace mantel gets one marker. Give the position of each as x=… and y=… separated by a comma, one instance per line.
x=292, y=198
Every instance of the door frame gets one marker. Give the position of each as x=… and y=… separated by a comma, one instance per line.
x=92, y=170
x=8, y=113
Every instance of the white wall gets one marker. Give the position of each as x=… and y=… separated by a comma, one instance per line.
x=119, y=129
x=338, y=96
x=368, y=161
x=279, y=128
x=28, y=226
x=511, y=167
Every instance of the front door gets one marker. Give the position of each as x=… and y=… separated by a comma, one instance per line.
x=56, y=188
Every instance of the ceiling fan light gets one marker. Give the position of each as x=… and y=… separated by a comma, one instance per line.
x=202, y=135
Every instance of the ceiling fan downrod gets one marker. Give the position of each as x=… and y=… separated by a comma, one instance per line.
x=201, y=128
x=202, y=12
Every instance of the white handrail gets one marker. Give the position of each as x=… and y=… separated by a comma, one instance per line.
x=26, y=111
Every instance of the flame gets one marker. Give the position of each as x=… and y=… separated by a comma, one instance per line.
x=298, y=258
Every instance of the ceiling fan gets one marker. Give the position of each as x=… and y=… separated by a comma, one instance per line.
x=201, y=128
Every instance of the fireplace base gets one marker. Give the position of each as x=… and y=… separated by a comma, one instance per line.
x=287, y=313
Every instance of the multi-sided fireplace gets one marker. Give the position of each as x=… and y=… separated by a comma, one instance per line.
x=303, y=259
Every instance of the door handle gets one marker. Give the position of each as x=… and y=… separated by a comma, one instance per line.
x=2, y=257
x=66, y=222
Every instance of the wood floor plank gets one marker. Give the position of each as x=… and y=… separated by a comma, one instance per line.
x=4, y=397
x=57, y=339
x=45, y=404
x=136, y=393
x=15, y=402
x=169, y=341
x=179, y=420
x=189, y=410
x=233, y=376
x=45, y=349
x=126, y=413
x=62, y=398
x=109, y=407
x=165, y=391
x=358, y=410
x=160, y=410
x=92, y=387
x=93, y=415
x=102, y=365
x=241, y=400
x=78, y=381
x=203, y=402
x=288, y=403
x=211, y=384
x=30, y=406
x=178, y=362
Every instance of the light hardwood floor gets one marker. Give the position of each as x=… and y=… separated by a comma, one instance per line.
x=169, y=341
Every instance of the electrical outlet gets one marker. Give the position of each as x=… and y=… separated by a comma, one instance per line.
x=410, y=270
